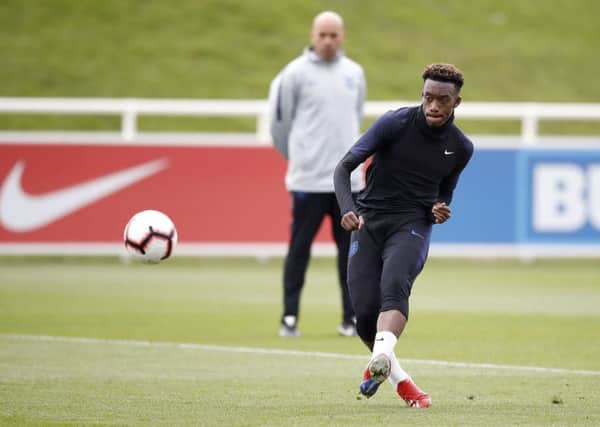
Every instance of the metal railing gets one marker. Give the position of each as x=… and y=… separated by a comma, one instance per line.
x=129, y=109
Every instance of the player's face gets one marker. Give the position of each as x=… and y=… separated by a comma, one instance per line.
x=327, y=37
x=439, y=101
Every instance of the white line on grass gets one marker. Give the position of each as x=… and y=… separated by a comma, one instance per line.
x=273, y=351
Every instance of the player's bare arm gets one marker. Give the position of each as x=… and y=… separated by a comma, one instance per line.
x=351, y=221
x=441, y=212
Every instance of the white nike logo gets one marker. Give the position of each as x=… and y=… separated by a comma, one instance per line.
x=21, y=212
x=447, y=153
x=414, y=233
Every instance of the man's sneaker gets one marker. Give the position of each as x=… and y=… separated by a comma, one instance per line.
x=413, y=395
x=288, y=327
x=347, y=329
x=377, y=371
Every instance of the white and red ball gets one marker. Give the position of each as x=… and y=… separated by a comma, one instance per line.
x=150, y=236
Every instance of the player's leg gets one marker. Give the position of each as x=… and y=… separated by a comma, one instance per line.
x=308, y=210
x=364, y=272
x=342, y=241
x=404, y=256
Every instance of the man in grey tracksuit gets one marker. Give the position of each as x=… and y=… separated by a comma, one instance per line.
x=316, y=105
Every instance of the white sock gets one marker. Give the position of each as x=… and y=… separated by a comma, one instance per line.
x=397, y=374
x=385, y=342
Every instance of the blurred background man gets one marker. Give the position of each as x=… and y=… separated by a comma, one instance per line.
x=317, y=109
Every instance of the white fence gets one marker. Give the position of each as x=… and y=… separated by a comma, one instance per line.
x=529, y=114
x=130, y=109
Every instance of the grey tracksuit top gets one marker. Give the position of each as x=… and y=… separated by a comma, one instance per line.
x=315, y=112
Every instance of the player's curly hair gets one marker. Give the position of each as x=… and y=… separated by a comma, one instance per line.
x=444, y=73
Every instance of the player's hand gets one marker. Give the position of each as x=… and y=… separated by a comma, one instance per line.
x=441, y=212
x=350, y=221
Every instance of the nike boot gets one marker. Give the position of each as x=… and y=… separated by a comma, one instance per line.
x=377, y=371
x=413, y=395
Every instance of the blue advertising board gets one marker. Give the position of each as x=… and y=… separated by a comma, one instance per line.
x=526, y=196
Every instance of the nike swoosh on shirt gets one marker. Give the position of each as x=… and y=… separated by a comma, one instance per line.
x=21, y=212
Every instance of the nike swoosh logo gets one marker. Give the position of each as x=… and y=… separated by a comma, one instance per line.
x=414, y=233
x=447, y=153
x=21, y=212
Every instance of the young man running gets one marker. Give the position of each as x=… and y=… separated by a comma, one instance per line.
x=418, y=155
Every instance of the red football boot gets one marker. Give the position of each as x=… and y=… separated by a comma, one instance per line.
x=413, y=395
x=377, y=372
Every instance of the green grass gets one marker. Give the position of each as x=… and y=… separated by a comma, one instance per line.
x=514, y=50
x=543, y=314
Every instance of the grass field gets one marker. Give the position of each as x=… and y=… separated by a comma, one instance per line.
x=514, y=50
x=194, y=342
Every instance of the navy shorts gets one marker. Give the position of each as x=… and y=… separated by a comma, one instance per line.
x=385, y=257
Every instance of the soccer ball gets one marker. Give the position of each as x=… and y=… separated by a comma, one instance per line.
x=150, y=236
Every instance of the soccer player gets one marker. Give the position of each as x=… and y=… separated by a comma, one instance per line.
x=317, y=106
x=418, y=155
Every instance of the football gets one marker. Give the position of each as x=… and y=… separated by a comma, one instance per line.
x=150, y=236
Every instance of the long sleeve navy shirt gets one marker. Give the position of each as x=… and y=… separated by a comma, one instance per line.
x=413, y=165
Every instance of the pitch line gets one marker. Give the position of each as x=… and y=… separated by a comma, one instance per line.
x=283, y=352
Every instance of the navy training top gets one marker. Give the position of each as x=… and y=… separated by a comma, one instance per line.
x=413, y=165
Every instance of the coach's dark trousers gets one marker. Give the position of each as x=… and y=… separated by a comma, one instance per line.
x=308, y=211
